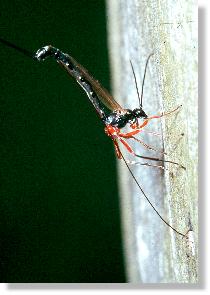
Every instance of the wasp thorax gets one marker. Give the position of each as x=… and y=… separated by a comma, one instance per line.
x=121, y=118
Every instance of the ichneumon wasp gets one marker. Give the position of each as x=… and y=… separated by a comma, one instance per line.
x=114, y=116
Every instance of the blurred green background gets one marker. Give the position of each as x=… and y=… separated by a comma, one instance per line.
x=59, y=203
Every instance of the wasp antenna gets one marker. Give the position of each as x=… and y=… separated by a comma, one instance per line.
x=142, y=87
x=22, y=50
x=140, y=101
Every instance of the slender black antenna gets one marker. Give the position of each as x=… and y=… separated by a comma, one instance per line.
x=142, y=87
x=140, y=100
x=22, y=50
x=148, y=200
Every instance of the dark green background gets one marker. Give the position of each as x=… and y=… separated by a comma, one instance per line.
x=59, y=201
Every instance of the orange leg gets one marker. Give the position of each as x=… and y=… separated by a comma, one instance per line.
x=115, y=134
x=136, y=131
x=164, y=114
x=127, y=146
x=129, y=134
x=143, y=124
x=117, y=149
